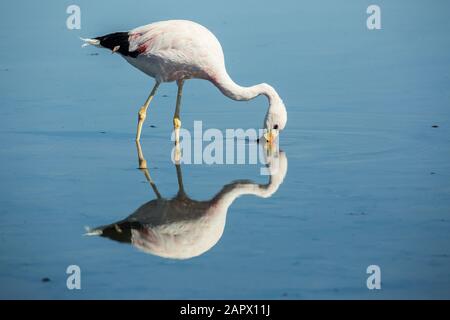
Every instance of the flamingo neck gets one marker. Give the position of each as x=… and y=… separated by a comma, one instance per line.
x=236, y=92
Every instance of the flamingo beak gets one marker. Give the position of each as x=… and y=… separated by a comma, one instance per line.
x=271, y=134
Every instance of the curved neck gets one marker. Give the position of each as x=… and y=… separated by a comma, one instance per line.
x=236, y=92
x=232, y=191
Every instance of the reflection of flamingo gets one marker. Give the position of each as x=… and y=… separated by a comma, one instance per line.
x=182, y=228
x=178, y=50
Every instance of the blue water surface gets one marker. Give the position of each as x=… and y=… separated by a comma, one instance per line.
x=368, y=180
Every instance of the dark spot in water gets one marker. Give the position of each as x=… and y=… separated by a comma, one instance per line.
x=435, y=126
x=93, y=54
x=45, y=279
x=357, y=213
x=432, y=172
x=285, y=294
x=443, y=255
x=152, y=126
x=102, y=132
x=165, y=96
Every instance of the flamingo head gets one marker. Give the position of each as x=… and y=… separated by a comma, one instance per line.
x=275, y=120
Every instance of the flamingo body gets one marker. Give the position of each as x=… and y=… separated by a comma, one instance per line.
x=176, y=50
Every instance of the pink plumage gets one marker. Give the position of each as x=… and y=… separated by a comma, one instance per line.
x=178, y=50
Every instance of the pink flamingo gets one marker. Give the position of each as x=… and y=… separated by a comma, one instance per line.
x=177, y=50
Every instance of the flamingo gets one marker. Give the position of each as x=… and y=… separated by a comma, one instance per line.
x=178, y=50
x=181, y=227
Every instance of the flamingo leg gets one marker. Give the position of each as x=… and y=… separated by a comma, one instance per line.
x=142, y=114
x=176, y=116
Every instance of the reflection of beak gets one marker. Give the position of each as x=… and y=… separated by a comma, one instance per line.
x=270, y=135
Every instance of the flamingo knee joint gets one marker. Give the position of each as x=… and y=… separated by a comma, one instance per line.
x=177, y=123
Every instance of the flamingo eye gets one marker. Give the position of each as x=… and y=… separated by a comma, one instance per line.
x=275, y=127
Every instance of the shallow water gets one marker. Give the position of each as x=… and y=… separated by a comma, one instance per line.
x=367, y=179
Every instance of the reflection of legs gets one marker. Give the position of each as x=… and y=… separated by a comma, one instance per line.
x=180, y=180
x=177, y=154
x=143, y=111
x=144, y=169
x=176, y=116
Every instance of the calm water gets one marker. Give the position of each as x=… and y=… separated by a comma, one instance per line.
x=367, y=179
